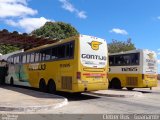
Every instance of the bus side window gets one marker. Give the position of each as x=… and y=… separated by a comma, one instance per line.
x=28, y=58
x=119, y=60
x=24, y=59
x=42, y=55
x=17, y=59
x=32, y=57
x=126, y=59
x=54, y=53
x=135, y=59
x=36, y=57
x=69, y=50
x=48, y=54
x=61, y=51
x=14, y=60
x=111, y=60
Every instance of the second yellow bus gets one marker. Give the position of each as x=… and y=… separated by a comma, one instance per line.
x=133, y=69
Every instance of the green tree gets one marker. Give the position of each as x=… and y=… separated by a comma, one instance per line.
x=56, y=30
x=4, y=49
x=120, y=46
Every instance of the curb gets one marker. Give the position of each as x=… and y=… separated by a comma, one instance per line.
x=118, y=95
x=34, y=108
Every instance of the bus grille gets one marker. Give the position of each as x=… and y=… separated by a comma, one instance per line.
x=67, y=82
x=132, y=81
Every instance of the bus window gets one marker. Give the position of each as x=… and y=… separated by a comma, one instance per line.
x=119, y=60
x=36, y=57
x=111, y=60
x=54, y=53
x=17, y=59
x=24, y=59
x=48, y=54
x=61, y=51
x=14, y=60
x=28, y=58
x=135, y=59
x=32, y=57
x=126, y=59
x=69, y=50
x=42, y=55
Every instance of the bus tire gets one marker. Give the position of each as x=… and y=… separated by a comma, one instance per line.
x=51, y=86
x=130, y=88
x=116, y=84
x=42, y=85
x=11, y=81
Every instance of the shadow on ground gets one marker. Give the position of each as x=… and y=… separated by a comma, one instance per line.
x=69, y=96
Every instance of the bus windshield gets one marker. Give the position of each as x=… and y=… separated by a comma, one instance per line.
x=93, y=52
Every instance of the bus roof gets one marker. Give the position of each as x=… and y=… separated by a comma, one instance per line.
x=56, y=43
x=131, y=51
x=61, y=41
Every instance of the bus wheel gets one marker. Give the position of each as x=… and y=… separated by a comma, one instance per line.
x=11, y=81
x=42, y=85
x=51, y=86
x=130, y=88
x=116, y=84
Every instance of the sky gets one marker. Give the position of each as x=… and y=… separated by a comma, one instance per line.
x=108, y=19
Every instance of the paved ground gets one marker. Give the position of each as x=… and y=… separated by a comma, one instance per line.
x=24, y=100
x=149, y=103
x=89, y=103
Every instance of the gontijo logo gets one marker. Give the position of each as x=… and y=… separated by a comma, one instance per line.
x=150, y=55
x=95, y=45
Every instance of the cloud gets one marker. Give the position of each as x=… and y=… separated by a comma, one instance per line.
x=82, y=14
x=16, y=13
x=119, y=31
x=158, y=61
x=15, y=8
x=69, y=7
x=28, y=24
x=14, y=1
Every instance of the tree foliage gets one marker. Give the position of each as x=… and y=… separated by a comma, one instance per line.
x=4, y=49
x=120, y=46
x=56, y=30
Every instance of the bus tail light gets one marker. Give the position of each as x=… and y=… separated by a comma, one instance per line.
x=78, y=75
x=107, y=75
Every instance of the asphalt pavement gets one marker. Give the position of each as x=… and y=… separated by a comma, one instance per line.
x=14, y=99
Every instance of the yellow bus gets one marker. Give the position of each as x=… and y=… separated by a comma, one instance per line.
x=74, y=64
x=133, y=69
